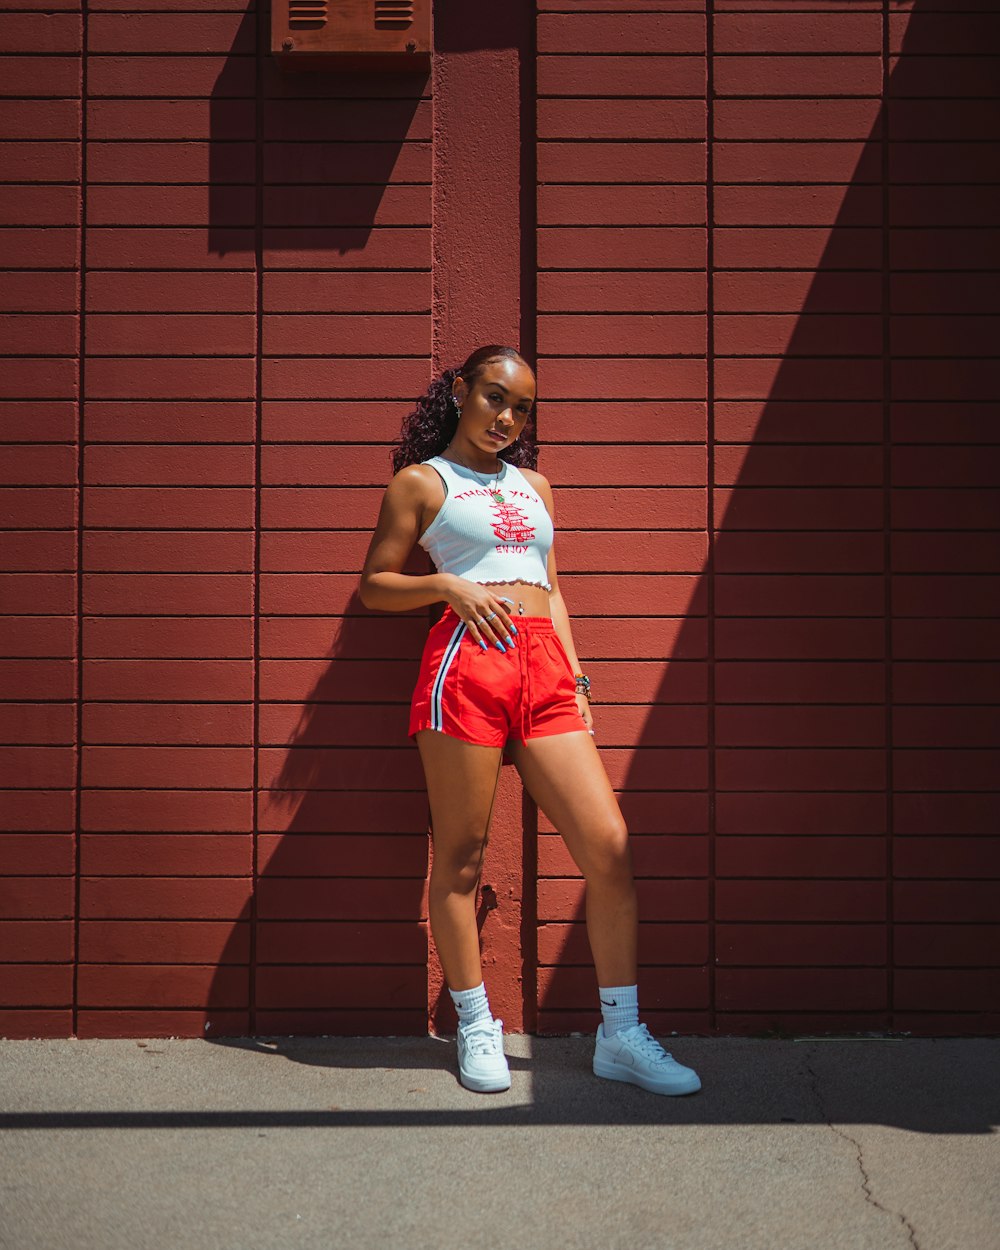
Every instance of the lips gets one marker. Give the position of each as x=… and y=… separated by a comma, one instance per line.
x=500, y=438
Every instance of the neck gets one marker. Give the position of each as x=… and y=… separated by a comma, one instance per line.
x=473, y=458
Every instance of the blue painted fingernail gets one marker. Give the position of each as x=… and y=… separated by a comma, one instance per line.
x=501, y=647
x=511, y=643
x=513, y=630
x=483, y=644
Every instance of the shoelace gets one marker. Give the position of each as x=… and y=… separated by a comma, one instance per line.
x=483, y=1037
x=641, y=1040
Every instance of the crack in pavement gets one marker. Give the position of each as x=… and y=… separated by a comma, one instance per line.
x=865, y=1179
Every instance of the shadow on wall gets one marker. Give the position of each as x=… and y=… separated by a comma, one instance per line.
x=336, y=942
x=849, y=880
x=335, y=156
x=334, y=191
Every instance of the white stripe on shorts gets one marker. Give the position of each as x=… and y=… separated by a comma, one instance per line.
x=437, y=690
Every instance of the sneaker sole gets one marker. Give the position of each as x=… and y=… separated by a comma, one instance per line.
x=612, y=1072
x=484, y=1084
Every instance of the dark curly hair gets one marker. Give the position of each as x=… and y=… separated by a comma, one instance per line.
x=430, y=427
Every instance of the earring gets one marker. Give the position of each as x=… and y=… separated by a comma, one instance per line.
x=458, y=406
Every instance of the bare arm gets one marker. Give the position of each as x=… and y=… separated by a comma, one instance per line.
x=383, y=586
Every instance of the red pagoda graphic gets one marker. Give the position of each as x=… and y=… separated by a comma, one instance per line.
x=510, y=523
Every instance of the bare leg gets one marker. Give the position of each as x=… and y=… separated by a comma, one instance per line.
x=564, y=775
x=461, y=784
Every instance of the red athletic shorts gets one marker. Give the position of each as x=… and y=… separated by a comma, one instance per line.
x=489, y=696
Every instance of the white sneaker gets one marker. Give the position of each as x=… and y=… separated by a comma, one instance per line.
x=482, y=1065
x=634, y=1055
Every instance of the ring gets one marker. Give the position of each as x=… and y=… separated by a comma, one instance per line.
x=490, y=617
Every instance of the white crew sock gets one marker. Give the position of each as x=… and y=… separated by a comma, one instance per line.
x=619, y=1006
x=471, y=1005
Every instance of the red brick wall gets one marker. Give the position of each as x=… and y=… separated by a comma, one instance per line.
x=766, y=317
x=183, y=564
x=786, y=214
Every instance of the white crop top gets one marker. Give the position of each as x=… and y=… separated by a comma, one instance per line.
x=489, y=536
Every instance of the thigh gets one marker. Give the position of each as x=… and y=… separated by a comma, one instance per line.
x=563, y=773
x=461, y=785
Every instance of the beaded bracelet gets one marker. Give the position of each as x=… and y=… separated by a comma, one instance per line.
x=582, y=684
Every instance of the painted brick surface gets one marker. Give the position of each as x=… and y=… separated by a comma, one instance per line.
x=759, y=271
x=817, y=286
x=244, y=280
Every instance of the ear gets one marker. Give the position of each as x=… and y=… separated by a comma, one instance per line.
x=460, y=391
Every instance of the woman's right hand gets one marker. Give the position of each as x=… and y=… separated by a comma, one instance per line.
x=484, y=613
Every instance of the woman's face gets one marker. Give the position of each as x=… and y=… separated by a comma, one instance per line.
x=497, y=405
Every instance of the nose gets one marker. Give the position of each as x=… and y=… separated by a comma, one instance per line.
x=506, y=417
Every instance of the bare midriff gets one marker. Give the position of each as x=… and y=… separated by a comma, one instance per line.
x=528, y=600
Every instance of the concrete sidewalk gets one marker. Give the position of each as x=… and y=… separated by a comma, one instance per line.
x=338, y=1143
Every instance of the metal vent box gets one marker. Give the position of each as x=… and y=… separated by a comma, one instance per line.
x=384, y=35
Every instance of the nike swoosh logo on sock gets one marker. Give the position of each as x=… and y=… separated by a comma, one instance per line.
x=613, y=1003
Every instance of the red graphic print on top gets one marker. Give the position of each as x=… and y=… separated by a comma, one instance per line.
x=511, y=524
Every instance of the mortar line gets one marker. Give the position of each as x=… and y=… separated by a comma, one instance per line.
x=710, y=492
x=80, y=469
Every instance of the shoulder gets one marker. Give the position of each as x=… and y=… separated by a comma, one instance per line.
x=540, y=483
x=417, y=482
x=415, y=488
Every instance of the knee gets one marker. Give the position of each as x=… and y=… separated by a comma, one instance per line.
x=611, y=854
x=458, y=866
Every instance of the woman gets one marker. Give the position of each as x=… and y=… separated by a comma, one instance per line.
x=500, y=670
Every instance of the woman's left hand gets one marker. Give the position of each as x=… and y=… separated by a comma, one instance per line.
x=583, y=703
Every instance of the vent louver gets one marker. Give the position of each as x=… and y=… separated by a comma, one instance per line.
x=308, y=14
x=393, y=14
